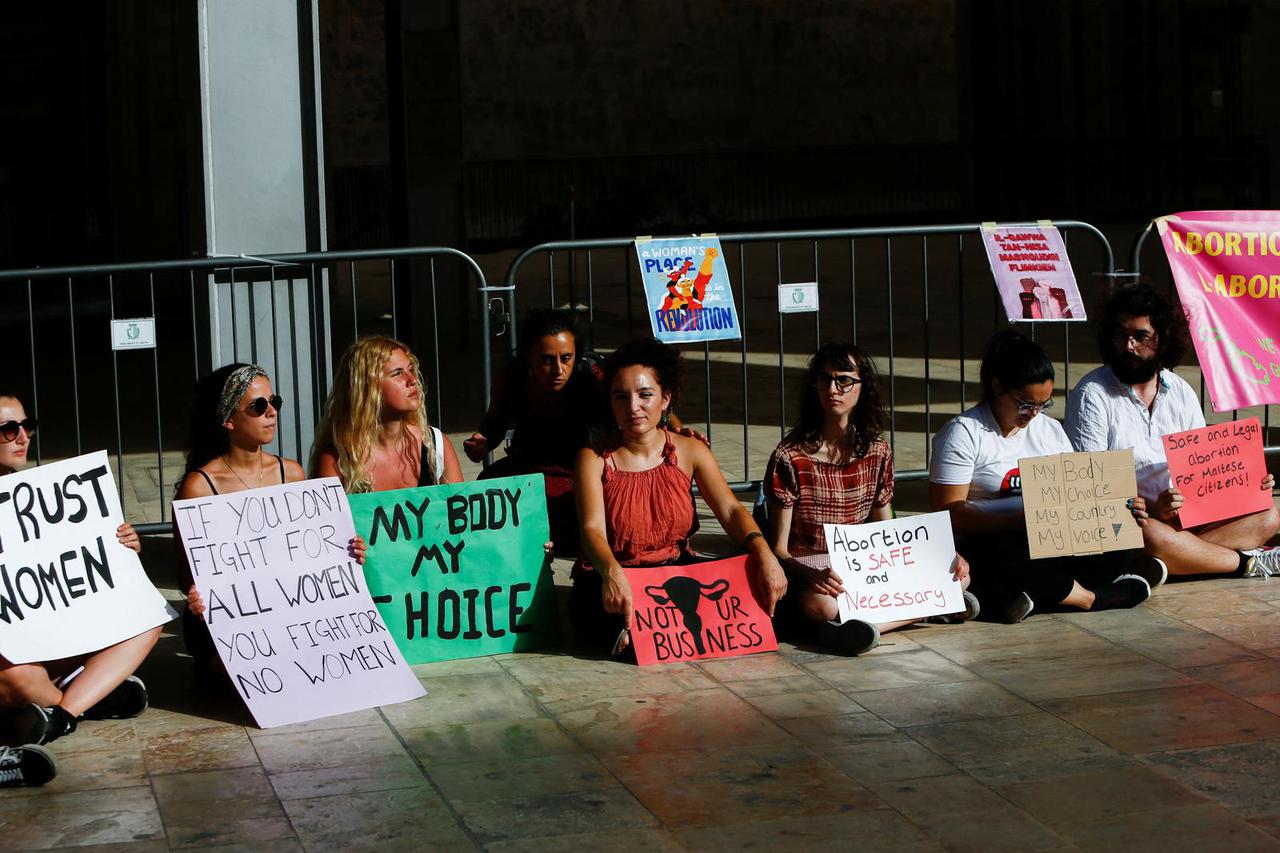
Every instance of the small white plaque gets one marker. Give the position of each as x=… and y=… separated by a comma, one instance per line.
x=801, y=298
x=137, y=333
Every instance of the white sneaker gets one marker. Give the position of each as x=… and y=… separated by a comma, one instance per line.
x=1263, y=562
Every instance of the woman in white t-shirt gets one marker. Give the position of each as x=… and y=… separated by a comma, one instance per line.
x=974, y=475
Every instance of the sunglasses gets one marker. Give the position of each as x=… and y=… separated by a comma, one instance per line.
x=843, y=384
x=258, y=407
x=1026, y=407
x=9, y=429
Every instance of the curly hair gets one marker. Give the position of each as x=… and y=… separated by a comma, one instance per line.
x=666, y=362
x=1015, y=361
x=353, y=410
x=207, y=438
x=1143, y=300
x=867, y=422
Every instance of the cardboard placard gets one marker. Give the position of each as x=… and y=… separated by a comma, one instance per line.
x=458, y=571
x=1219, y=469
x=894, y=570
x=67, y=585
x=686, y=286
x=1075, y=503
x=1033, y=273
x=288, y=609
x=696, y=612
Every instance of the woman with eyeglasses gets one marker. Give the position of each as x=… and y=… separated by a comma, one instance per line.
x=974, y=474
x=234, y=414
x=40, y=702
x=833, y=467
x=374, y=435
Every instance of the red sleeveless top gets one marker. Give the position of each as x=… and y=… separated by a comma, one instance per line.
x=648, y=514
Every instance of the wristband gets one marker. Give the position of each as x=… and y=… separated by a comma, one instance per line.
x=752, y=535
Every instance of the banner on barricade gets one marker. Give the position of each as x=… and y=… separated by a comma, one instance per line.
x=67, y=585
x=897, y=569
x=696, y=612
x=687, y=290
x=288, y=609
x=1219, y=469
x=1226, y=264
x=1075, y=503
x=459, y=571
x=1033, y=273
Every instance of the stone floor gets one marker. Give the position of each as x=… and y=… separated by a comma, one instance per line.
x=1153, y=729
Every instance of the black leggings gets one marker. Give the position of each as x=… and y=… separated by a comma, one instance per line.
x=1001, y=567
x=587, y=615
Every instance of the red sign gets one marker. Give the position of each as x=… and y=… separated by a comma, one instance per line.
x=705, y=610
x=1219, y=470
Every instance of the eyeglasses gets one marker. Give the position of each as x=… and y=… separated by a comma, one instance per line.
x=1142, y=337
x=842, y=383
x=1026, y=407
x=258, y=407
x=9, y=429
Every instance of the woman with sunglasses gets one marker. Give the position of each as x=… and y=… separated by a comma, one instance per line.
x=974, y=475
x=375, y=435
x=234, y=414
x=833, y=467
x=45, y=701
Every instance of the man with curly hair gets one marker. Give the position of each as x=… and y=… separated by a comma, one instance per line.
x=1134, y=400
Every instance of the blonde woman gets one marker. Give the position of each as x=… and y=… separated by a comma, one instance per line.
x=374, y=435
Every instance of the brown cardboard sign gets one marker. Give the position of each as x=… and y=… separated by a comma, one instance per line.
x=1075, y=503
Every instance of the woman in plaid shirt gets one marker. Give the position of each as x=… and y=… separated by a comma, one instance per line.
x=833, y=467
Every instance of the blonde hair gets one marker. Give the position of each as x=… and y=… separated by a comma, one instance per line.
x=353, y=411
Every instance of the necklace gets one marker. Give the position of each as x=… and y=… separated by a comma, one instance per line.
x=237, y=475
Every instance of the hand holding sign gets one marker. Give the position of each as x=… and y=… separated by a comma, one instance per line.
x=1217, y=471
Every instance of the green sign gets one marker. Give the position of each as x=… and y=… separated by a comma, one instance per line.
x=458, y=571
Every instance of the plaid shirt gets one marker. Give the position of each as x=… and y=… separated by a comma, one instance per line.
x=826, y=492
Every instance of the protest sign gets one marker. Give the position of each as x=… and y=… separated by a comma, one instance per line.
x=695, y=612
x=1075, y=503
x=458, y=571
x=686, y=286
x=1033, y=273
x=288, y=609
x=898, y=569
x=1219, y=469
x=67, y=585
x=1226, y=264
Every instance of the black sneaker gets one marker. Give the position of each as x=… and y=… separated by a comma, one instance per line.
x=128, y=700
x=1150, y=569
x=1123, y=592
x=1017, y=610
x=32, y=724
x=972, y=607
x=850, y=638
x=26, y=766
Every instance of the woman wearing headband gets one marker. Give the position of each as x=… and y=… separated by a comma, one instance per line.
x=40, y=702
x=375, y=435
x=234, y=413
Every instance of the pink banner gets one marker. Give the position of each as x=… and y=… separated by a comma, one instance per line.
x=1226, y=264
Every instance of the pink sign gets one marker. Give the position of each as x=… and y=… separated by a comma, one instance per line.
x=705, y=610
x=1226, y=264
x=1219, y=469
x=1033, y=273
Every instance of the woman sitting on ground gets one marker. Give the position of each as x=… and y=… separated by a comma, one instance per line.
x=374, y=435
x=44, y=701
x=549, y=403
x=234, y=414
x=633, y=496
x=974, y=474
x=833, y=467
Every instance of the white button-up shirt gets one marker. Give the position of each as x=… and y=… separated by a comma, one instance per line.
x=1103, y=413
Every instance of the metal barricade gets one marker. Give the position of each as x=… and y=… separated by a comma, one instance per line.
x=918, y=308
x=317, y=304
x=1154, y=251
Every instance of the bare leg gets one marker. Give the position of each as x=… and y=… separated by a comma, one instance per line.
x=104, y=670
x=1210, y=548
x=1078, y=597
x=24, y=683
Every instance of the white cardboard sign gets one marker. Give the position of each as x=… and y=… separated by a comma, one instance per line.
x=899, y=569
x=67, y=585
x=135, y=333
x=289, y=610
